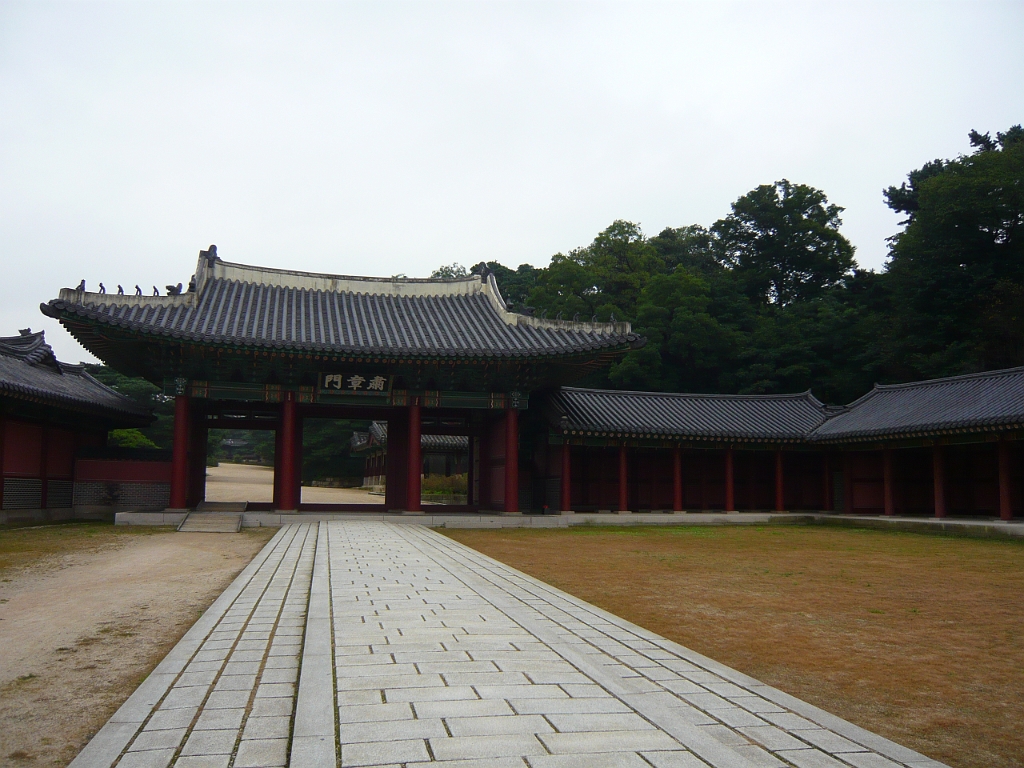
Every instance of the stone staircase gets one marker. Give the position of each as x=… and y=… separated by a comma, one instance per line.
x=214, y=517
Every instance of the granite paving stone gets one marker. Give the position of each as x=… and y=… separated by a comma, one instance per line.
x=364, y=643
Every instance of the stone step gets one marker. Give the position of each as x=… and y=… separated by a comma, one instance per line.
x=211, y=522
x=222, y=506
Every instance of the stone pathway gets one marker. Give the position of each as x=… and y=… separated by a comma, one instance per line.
x=410, y=649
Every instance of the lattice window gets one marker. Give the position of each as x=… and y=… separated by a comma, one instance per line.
x=22, y=493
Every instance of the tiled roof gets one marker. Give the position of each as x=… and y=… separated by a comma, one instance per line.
x=670, y=415
x=977, y=401
x=267, y=308
x=29, y=371
x=378, y=435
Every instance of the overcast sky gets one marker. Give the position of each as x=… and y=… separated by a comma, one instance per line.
x=382, y=138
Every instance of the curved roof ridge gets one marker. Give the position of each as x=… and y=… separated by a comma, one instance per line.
x=229, y=269
x=30, y=371
x=709, y=395
x=31, y=348
x=785, y=417
x=947, y=379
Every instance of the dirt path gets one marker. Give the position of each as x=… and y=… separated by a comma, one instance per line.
x=85, y=613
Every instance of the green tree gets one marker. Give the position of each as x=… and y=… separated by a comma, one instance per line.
x=687, y=349
x=956, y=270
x=449, y=272
x=604, y=279
x=161, y=431
x=783, y=240
x=515, y=284
x=692, y=247
x=129, y=438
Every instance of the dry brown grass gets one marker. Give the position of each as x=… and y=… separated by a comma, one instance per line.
x=919, y=638
x=35, y=546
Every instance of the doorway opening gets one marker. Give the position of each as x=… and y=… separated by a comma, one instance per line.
x=240, y=465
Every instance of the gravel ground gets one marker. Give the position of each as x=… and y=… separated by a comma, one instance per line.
x=86, y=611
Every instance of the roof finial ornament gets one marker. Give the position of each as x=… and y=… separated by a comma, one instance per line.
x=210, y=254
x=102, y=288
x=612, y=318
x=558, y=316
x=576, y=317
x=138, y=291
x=192, y=284
x=155, y=291
x=174, y=290
x=81, y=286
x=120, y=290
x=593, y=318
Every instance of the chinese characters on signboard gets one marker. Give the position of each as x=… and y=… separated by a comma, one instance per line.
x=355, y=383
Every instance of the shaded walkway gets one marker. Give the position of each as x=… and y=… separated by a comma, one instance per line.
x=410, y=648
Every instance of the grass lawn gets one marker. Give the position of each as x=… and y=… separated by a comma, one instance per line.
x=917, y=637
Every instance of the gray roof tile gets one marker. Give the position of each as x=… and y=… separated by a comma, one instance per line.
x=977, y=401
x=378, y=435
x=659, y=414
x=253, y=306
x=30, y=371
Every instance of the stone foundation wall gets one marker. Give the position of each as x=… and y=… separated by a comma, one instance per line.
x=139, y=496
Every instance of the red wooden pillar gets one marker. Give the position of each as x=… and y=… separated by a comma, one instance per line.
x=470, y=470
x=197, y=448
x=179, y=454
x=3, y=439
x=511, y=461
x=780, y=489
x=1005, y=498
x=826, y=482
x=277, y=465
x=286, y=459
x=939, y=480
x=297, y=460
x=847, y=483
x=395, y=457
x=730, y=482
x=44, y=450
x=623, y=479
x=485, y=465
x=887, y=487
x=677, y=479
x=566, y=500
x=415, y=465
x=703, y=461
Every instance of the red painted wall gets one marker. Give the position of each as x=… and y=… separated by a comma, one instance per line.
x=97, y=470
x=60, y=454
x=23, y=445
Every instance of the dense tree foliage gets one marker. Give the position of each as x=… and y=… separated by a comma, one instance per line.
x=956, y=272
x=160, y=432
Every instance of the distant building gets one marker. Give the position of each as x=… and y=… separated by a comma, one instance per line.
x=444, y=455
x=54, y=419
